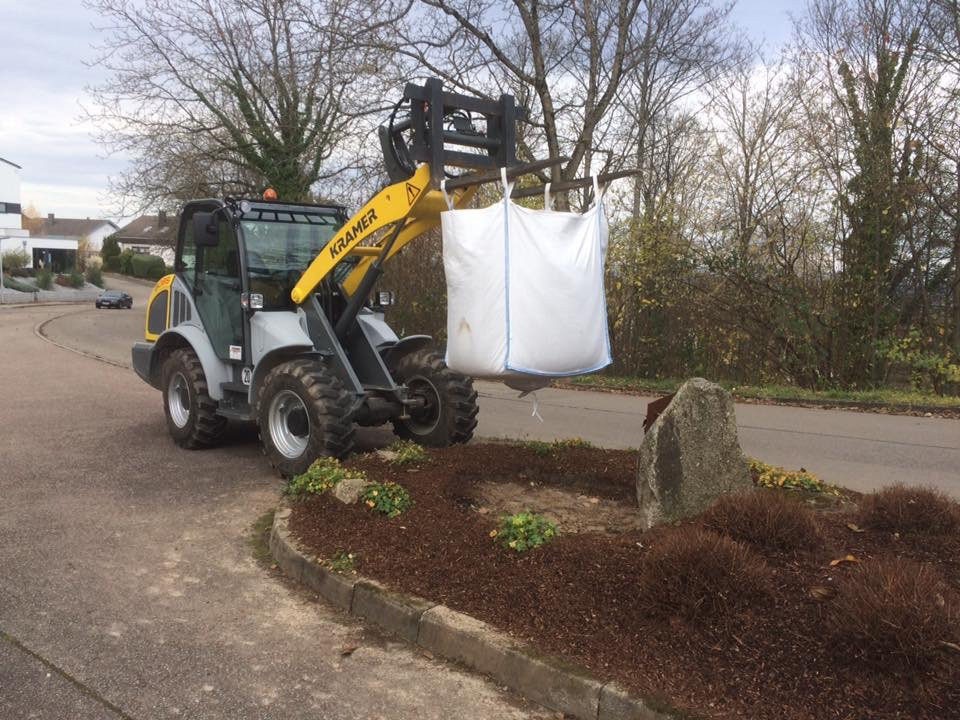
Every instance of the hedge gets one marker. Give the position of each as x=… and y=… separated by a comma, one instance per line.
x=151, y=267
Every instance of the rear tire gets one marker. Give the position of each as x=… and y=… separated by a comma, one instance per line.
x=450, y=415
x=304, y=412
x=191, y=413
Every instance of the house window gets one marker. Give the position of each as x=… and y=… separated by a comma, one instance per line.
x=9, y=208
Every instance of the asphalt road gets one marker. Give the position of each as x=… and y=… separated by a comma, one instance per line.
x=863, y=451
x=128, y=584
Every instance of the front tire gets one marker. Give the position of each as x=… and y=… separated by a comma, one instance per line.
x=304, y=412
x=191, y=413
x=449, y=414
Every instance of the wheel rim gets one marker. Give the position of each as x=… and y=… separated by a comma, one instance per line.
x=178, y=400
x=289, y=424
x=424, y=421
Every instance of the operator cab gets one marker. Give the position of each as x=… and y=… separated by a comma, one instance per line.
x=237, y=255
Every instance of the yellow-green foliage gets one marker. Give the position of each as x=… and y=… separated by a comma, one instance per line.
x=389, y=498
x=407, y=453
x=575, y=442
x=524, y=531
x=322, y=475
x=771, y=476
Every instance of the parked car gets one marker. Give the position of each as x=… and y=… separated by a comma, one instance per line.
x=114, y=299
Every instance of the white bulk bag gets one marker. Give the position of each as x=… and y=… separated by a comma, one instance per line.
x=525, y=295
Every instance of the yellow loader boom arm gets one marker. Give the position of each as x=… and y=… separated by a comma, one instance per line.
x=410, y=202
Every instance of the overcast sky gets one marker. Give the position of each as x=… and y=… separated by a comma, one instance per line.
x=43, y=76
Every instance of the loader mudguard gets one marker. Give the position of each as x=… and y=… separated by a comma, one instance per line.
x=182, y=336
x=410, y=344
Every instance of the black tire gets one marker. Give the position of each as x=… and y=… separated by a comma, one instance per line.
x=191, y=413
x=450, y=415
x=294, y=435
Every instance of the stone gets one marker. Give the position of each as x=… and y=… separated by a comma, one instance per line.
x=349, y=490
x=690, y=456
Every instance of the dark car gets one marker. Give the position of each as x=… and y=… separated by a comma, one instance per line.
x=114, y=299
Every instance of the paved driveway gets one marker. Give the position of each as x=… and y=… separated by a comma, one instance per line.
x=128, y=584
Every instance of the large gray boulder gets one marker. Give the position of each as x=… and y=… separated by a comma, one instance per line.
x=690, y=456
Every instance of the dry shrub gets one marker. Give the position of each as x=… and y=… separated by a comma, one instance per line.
x=765, y=519
x=910, y=510
x=698, y=575
x=893, y=614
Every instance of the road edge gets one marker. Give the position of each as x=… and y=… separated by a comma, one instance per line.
x=461, y=638
x=38, y=331
x=902, y=409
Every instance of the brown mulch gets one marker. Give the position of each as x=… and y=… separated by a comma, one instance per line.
x=577, y=597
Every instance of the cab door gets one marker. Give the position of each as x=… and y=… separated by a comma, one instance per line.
x=215, y=279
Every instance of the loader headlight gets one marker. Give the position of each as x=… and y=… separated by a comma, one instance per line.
x=385, y=297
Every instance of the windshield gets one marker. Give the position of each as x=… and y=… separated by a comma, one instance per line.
x=279, y=251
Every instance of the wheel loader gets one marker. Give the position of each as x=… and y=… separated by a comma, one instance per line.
x=273, y=313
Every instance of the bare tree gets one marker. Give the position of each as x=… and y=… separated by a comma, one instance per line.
x=221, y=96
x=565, y=61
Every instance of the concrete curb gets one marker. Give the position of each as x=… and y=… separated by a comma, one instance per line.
x=455, y=636
x=38, y=331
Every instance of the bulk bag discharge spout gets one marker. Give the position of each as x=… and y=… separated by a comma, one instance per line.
x=525, y=295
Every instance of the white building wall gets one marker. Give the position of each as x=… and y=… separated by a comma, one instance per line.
x=9, y=193
x=97, y=237
x=29, y=243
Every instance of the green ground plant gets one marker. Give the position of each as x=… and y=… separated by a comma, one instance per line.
x=76, y=279
x=538, y=447
x=524, y=531
x=772, y=476
x=341, y=562
x=541, y=448
x=574, y=442
x=389, y=498
x=407, y=452
x=321, y=476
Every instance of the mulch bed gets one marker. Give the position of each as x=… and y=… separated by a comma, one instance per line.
x=576, y=597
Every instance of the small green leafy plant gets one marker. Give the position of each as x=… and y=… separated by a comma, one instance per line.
x=389, y=498
x=537, y=446
x=341, y=562
x=771, y=476
x=524, y=531
x=407, y=452
x=541, y=448
x=575, y=442
x=322, y=475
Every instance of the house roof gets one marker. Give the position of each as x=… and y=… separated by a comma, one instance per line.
x=150, y=230
x=64, y=227
x=10, y=163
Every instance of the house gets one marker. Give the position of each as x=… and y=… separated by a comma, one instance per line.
x=91, y=231
x=57, y=253
x=154, y=234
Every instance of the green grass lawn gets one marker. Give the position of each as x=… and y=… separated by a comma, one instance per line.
x=886, y=396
